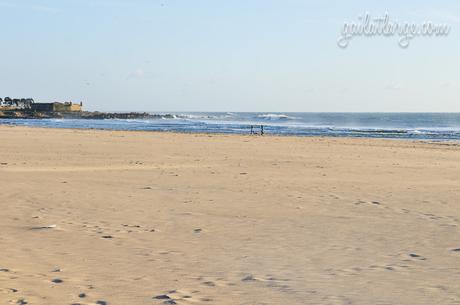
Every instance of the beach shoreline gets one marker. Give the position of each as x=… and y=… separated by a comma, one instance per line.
x=444, y=142
x=145, y=217
x=418, y=126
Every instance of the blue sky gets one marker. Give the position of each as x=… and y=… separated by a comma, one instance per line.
x=253, y=55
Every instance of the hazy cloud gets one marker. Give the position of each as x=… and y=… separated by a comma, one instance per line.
x=446, y=85
x=393, y=87
x=137, y=74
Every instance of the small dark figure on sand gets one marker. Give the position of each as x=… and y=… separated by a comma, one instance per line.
x=261, y=130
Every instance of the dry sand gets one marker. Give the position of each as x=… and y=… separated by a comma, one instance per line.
x=124, y=217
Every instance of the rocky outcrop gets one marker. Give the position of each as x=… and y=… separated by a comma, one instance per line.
x=28, y=114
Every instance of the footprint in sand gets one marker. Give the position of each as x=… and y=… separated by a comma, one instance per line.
x=215, y=282
x=388, y=267
x=181, y=296
x=248, y=278
x=337, y=300
x=107, y=232
x=22, y=302
x=166, y=299
x=417, y=256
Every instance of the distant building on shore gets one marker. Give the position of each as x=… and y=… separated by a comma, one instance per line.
x=9, y=103
x=57, y=107
x=29, y=104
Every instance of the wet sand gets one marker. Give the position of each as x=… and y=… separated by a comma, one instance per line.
x=109, y=217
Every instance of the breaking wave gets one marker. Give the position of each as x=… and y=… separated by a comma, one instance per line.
x=274, y=117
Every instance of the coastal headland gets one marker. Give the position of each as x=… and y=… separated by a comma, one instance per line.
x=88, y=115
x=27, y=108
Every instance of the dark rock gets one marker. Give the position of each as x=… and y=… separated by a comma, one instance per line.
x=162, y=297
x=57, y=281
x=248, y=278
x=419, y=257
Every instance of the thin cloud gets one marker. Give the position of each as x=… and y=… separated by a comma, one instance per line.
x=139, y=73
x=393, y=87
x=446, y=85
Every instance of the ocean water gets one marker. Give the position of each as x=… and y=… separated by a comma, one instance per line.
x=428, y=126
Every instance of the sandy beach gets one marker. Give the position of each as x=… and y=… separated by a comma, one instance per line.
x=134, y=218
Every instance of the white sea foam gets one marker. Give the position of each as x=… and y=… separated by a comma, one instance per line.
x=274, y=116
